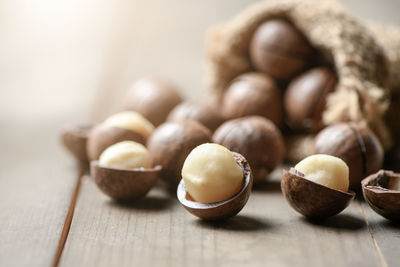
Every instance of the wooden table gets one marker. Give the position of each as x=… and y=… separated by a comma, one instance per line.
x=53, y=215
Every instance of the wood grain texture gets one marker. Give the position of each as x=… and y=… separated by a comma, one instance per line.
x=55, y=68
x=36, y=184
x=385, y=235
x=157, y=231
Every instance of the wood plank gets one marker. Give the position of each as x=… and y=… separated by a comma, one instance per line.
x=158, y=231
x=36, y=181
x=386, y=236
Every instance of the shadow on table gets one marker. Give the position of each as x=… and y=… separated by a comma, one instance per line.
x=391, y=225
x=359, y=197
x=154, y=203
x=267, y=186
x=339, y=222
x=238, y=223
x=386, y=224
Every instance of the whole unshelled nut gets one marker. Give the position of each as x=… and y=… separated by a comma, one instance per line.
x=257, y=139
x=356, y=145
x=305, y=98
x=278, y=49
x=152, y=97
x=74, y=139
x=170, y=144
x=253, y=94
x=203, y=113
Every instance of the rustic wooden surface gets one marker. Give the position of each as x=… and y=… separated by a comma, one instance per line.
x=51, y=77
x=157, y=231
x=36, y=185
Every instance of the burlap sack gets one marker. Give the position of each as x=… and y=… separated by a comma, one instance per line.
x=362, y=92
x=389, y=38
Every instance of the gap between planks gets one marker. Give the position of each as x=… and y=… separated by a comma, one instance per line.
x=83, y=168
x=378, y=250
x=116, y=63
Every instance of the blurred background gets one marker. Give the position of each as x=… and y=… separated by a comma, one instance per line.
x=58, y=56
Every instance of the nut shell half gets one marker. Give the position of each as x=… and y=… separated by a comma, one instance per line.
x=74, y=139
x=223, y=209
x=379, y=195
x=103, y=136
x=311, y=199
x=124, y=184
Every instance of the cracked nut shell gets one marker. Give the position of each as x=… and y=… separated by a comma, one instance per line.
x=305, y=98
x=354, y=144
x=257, y=139
x=223, y=209
x=75, y=139
x=278, y=49
x=203, y=113
x=253, y=94
x=171, y=143
x=152, y=97
x=124, y=184
x=311, y=199
x=379, y=193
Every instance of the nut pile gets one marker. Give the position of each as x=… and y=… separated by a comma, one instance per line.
x=289, y=84
x=209, y=154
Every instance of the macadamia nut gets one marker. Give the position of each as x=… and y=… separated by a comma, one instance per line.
x=127, y=155
x=211, y=174
x=131, y=120
x=327, y=170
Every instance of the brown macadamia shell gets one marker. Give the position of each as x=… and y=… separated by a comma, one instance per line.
x=203, y=113
x=223, y=209
x=380, y=196
x=75, y=139
x=171, y=143
x=152, y=97
x=305, y=98
x=253, y=94
x=278, y=49
x=257, y=139
x=103, y=136
x=311, y=199
x=354, y=144
x=124, y=184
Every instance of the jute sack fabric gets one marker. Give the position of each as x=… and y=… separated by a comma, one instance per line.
x=363, y=90
x=389, y=38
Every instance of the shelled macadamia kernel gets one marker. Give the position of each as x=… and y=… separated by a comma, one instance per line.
x=211, y=174
x=126, y=154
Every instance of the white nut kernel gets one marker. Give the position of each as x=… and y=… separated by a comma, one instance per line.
x=131, y=120
x=211, y=174
x=327, y=170
x=126, y=155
